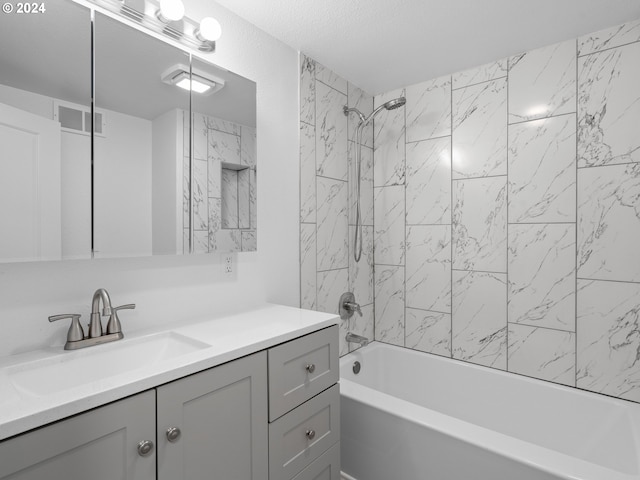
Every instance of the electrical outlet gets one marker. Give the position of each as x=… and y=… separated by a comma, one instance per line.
x=228, y=263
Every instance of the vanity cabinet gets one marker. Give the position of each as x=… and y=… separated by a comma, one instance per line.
x=100, y=444
x=221, y=415
x=212, y=424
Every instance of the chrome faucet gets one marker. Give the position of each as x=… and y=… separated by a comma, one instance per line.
x=95, y=336
x=353, y=338
x=95, y=322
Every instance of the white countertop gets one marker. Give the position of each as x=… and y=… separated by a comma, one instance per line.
x=230, y=337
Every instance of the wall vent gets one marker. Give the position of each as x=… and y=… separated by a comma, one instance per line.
x=76, y=118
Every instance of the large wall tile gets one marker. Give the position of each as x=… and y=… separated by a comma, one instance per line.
x=331, y=133
x=389, y=304
x=609, y=107
x=200, y=241
x=224, y=147
x=429, y=182
x=307, y=90
x=609, y=222
x=479, y=318
x=215, y=222
x=249, y=241
x=361, y=273
x=308, y=266
x=221, y=125
x=389, y=229
x=542, y=170
x=331, y=285
x=609, y=37
x=480, y=130
x=428, y=331
x=429, y=267
x=543, y=353
x=328, y=77
x=199, y=196
x=542, y=275
x=229, y=241
x=609, y=338
x=307, y=173
x=199, y=138
x=366, y=185
x=542, y=82
x=362, y=325
x=248, y=146
x=389, y=142
x=480, y=227
x=214, y=178
x=357, y=98
x=480, y=74
x=333, y=225
x=429, y=109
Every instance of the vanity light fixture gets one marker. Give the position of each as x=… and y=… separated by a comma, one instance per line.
x=198, y=82
x=166, y=17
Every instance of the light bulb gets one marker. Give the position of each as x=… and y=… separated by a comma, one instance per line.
x=210, y=29
x=171, y=10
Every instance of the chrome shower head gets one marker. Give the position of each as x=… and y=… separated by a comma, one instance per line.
x=395, y=103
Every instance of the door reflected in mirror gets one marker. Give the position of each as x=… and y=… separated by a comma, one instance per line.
x=45, y=134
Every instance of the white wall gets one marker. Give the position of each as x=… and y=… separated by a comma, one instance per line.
x=172, y=288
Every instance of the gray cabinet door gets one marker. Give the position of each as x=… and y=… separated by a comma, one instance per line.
x=222, y=417
x=99, y=445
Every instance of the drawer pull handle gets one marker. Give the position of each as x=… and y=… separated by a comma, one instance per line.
x=310, y=434
x=310, y=368
x=173, y=434
x=145, y=447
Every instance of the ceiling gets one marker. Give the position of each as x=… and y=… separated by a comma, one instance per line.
x=380, y=45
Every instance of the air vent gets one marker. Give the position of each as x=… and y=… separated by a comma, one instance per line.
x=75, y=118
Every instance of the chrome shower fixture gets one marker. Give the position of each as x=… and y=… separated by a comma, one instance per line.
x=166, y=17
x=390, y=105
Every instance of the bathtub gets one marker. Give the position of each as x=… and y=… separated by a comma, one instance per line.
x=410, y=415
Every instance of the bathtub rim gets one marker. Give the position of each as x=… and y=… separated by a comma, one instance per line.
x=535, y=456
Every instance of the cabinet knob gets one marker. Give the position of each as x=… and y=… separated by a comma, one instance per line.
x=173, y=434
x=145, y=448
x=310, y=368
x=310, y=434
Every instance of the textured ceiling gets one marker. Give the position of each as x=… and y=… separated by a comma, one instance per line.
x=380, y=45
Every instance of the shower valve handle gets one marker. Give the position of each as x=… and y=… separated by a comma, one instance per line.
x=353, y=307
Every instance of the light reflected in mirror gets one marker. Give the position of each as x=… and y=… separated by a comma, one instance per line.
x=224, y=163
x=45, y=142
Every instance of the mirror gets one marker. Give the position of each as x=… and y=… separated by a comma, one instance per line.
x=152, y=142
x=45, y=134
x=224, y=162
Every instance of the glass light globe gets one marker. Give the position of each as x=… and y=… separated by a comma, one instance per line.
x=210, y=29
x=172, y=10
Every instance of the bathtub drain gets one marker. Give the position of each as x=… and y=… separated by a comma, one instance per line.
x=356, y=367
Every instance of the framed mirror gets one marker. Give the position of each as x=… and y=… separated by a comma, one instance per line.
x=167, y=166
x=45, y=134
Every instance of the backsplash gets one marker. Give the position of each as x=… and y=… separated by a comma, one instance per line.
x=506, y=213
x=327, y=207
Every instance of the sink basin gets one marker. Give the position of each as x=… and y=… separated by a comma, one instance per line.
x=73, y=369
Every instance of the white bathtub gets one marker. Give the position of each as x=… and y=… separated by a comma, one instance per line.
x=410, y=415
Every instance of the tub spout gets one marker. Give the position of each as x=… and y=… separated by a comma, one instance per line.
x=353, y=338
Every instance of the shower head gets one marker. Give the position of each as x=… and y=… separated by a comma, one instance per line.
x=395, y=103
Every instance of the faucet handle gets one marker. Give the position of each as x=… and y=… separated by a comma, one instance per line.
x=75, y=332
x=114, y=322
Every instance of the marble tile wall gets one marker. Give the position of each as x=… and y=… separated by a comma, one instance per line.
x=506, y=214
x=327, y=197
x=224, y=186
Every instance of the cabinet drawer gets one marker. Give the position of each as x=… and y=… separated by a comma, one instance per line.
x=291, y=381
x=291, y=446
x=327, y=467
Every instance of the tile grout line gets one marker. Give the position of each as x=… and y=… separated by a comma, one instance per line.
x=575, y=272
